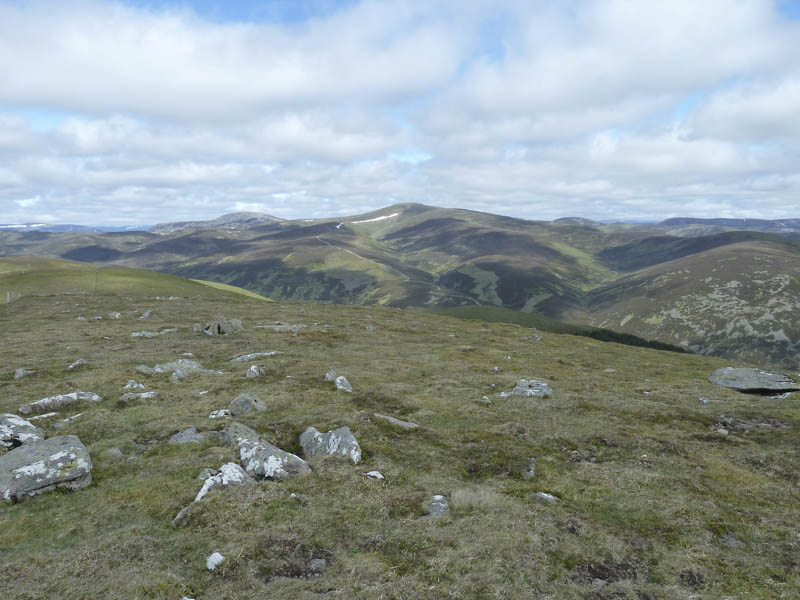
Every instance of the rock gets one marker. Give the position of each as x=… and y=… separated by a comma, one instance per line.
x=546, y=498
x=220, y=414
x=131, y=396
x=151, y=334
x=330, y=376
x=183, y=364
x=237, y=432
x=65, y=422
x=237, y=325
x=42, y=466
x=114, y=315
x=113, y=454
x=78, y=363
x=342, y=384
x=187, y=436
x=178, y=376
x=375, y=475
x=371, y=328
x=16, y=431
x=229, y=474
x=146, y=314
x=81, y=319
x=340, y=442
x=485, y=401
x=747, y=379
x=532, y=388
x=213, y=561
x=316, y=566
x=704, y=400
x=731, y=542
x=245, y=403
x=283, y=328
x=20, y=373
x=44, y=416
x=206, y=473
x=219, y=326
x=59, y=401
x=407, y=425
x=197, y=328
x=262, y=460
x=535, y=337
x=133, y=385
x=529, y=472
x=255, y=371
x=253, y=356
x=437, y=506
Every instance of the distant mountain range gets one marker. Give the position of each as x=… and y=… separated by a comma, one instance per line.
x=68, y=228
x=701, y=284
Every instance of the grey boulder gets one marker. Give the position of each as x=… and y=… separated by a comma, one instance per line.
x=51, y=402
x=245, y=403
x=330, y=376
x=43, y=466
x=342, y=384
x=229, y=474
x=407, y=425
x=339, y=442
x=532, y=388
x=252, y=356
x=20, y=373
x=187, y=436
x=237, y=432
x=748, y=379
x=437, y=506
x=262, y=460
x=16, y=431
x=255, y=371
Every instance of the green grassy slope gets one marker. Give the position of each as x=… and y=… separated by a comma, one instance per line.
x=655, y=502
x=415, y=255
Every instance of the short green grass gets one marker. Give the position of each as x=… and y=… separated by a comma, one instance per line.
x=648, y=489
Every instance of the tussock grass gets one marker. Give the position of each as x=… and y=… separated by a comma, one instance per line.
x=648, y=491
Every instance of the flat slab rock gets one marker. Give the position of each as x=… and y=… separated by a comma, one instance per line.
x=339, y=442
x=262, y=460
x=16, y=431
x=42, y=466
x=748, y=379
x=51, y=402
x=396, y=422
x=534, y=388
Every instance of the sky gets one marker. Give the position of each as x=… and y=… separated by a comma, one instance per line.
x=140, y=112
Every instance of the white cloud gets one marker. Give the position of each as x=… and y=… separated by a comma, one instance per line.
x=599, y=108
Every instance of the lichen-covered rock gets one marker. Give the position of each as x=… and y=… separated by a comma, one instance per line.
x=532, y=388
x=245, y=403
x=255, y=371
x=407, y=425
x=252, y=356
x=133, y=385
x=437, y=506
x=262, y=460
x=128, y=397
x=58, y=401
x=20, y=373
x=747, y=379
x=330, y=376
x=237, y=432
x=229, y=474
x=16, y=431
x=339, y=442
x=342, y=384
x=78, y=363
x=219, y=326
x=42, y=466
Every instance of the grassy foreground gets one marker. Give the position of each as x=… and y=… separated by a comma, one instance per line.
x=654, y=501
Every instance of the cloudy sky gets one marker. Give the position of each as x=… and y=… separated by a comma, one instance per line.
x=126, y=113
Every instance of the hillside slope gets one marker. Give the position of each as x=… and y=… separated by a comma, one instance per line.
x=416, y=255
x=657, y=494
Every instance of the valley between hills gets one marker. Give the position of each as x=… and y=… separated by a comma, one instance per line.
x=722, y=287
